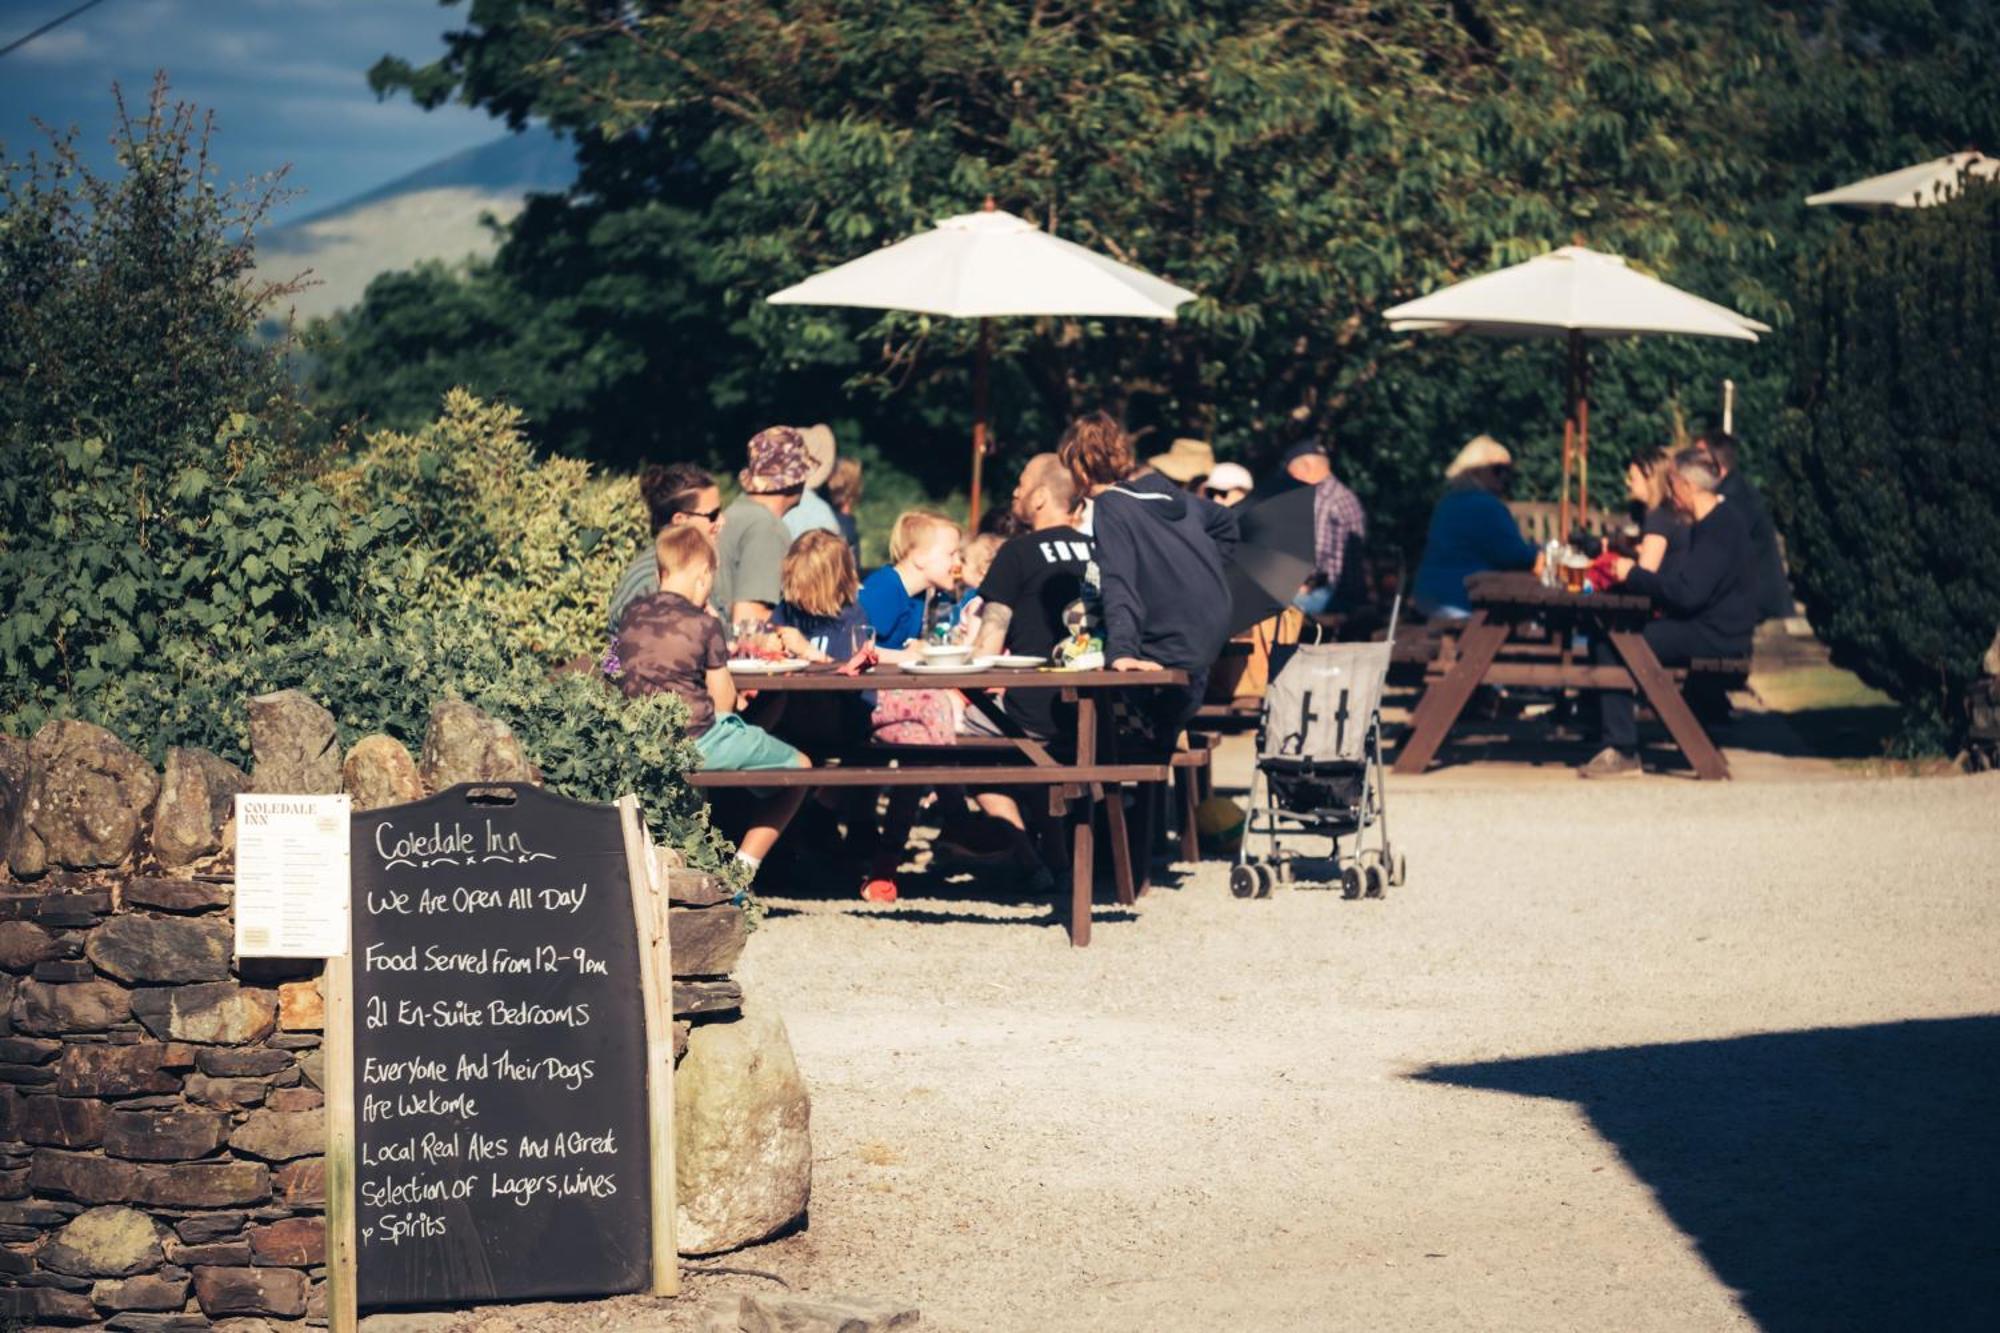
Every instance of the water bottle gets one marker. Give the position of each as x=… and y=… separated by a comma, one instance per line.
x=938, y=617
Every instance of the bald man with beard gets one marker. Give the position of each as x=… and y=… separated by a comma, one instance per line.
x=1034, y=580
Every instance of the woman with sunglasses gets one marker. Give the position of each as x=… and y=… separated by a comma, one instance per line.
x=679, y=493
x=1471, y=530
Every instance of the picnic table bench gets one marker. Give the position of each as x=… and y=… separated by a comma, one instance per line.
x=1075, y=787
x=1494, y=648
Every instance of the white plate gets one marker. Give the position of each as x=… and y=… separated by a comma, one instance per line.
x=939, y=668
x=1008, y=662
x=757, y=666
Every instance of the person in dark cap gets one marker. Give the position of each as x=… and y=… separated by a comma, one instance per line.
x=751, y=553
x=1304, y=464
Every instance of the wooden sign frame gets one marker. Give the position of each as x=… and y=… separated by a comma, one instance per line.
x=656, y=982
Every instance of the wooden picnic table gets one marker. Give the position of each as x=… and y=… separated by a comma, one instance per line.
x=1490, y=651
x=1010, y=759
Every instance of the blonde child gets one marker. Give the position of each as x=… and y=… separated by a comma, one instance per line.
x=923, y=562
x=820, y=614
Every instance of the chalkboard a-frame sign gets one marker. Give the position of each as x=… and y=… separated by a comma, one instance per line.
x=496, y=1120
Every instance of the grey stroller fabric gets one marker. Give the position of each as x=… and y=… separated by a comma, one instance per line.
x=1322, y=705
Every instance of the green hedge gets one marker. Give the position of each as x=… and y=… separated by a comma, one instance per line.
x=1888, y=470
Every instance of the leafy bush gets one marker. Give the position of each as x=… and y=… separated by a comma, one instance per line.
x=535, y=544
x=1888, y=487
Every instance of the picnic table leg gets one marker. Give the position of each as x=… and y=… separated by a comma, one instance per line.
x=1083, y=810
x=1187, y=785
x=1665, y=696
x=1478, y=644
x=1121, y=843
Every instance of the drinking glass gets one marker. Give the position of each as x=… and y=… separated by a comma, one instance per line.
x=863, y=640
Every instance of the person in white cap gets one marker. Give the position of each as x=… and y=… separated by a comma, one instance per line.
x=1471, y=530
x=813, y=513
x=1229, y=484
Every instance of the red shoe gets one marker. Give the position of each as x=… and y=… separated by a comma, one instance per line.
x=879, y=891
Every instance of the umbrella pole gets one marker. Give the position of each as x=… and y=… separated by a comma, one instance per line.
x=1569, y=441
x=980, y=361
x=1582, y=354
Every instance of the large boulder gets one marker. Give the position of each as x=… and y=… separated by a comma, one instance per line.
x=197, y=797
x=743, y=1134
x=87, y=795
x=378, y=771
x=463, y=744
x=293, y=745
x=105, y=1242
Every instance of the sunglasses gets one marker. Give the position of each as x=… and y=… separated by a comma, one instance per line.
x=705, y=515
x=1217, y=492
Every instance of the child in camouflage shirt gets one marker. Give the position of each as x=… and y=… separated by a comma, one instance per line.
x=669, y=641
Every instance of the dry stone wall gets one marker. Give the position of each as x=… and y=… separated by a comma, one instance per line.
x=162, y=1119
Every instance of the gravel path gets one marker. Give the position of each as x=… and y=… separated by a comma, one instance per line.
x=1518, y=1093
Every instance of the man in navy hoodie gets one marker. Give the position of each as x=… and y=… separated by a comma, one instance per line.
x=1161, y=589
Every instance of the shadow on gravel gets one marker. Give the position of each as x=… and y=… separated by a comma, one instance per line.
x=1836, y=1178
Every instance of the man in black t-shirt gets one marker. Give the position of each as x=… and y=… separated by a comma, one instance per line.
x=1036, y=580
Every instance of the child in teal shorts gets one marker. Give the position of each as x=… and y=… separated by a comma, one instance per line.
x=670, y=641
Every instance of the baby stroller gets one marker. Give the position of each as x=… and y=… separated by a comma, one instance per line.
x=1319, y=769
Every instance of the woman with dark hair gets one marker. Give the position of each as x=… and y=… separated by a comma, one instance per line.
x=675, y=494
x=1662, y=531
x=1164, y=601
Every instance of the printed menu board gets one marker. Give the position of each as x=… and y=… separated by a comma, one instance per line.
x=499, y=1052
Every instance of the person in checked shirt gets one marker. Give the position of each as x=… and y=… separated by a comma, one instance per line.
x=1340, y=526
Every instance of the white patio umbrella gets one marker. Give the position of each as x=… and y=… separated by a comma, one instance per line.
x=987, y=265
x=1920, y=186
x=1579, y=295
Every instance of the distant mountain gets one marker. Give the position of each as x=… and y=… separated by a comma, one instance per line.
x=434, y=212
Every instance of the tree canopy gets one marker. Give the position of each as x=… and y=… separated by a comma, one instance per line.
x=1302, y=164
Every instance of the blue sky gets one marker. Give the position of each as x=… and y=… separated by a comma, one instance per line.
x=287, y=80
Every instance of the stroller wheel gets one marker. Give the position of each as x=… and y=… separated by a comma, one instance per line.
x=1243, y=881
x=1351, y=882
x=1374, y=879
x=1399, y=870
x=1269, y=877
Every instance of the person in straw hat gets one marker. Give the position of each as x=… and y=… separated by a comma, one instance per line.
x=813, y=513
x=1471, y=530
x=1186, y=462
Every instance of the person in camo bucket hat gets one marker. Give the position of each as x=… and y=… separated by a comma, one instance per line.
x=779, y=461
x=750, y=556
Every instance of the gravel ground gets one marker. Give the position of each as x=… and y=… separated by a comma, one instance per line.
x=1521, y=1092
